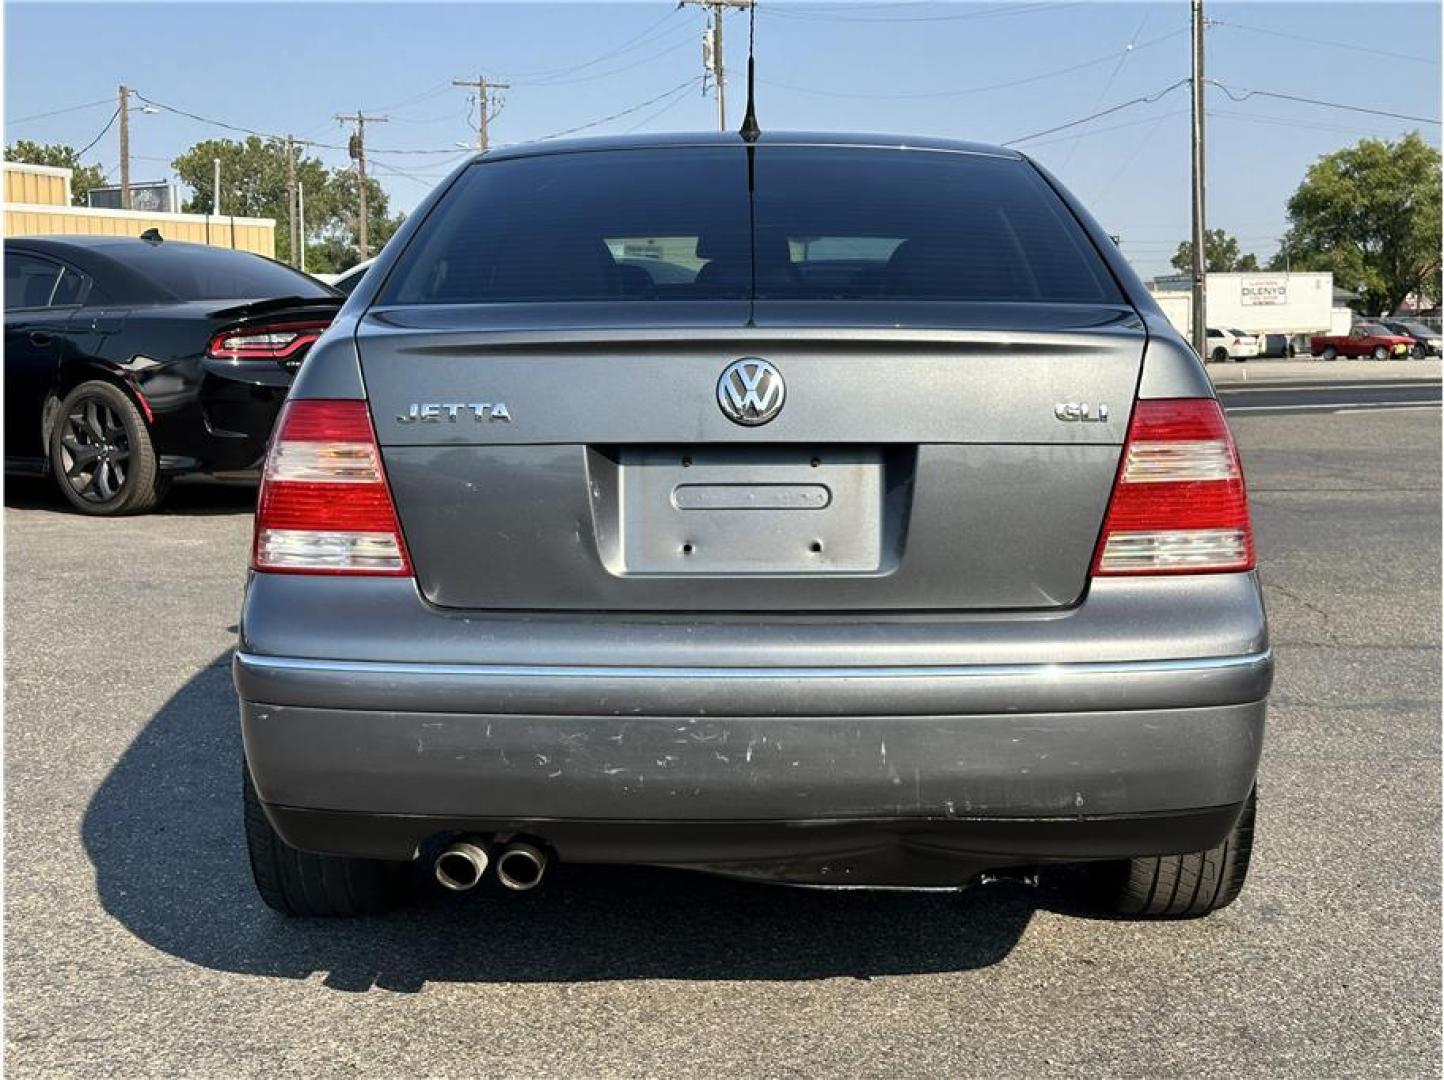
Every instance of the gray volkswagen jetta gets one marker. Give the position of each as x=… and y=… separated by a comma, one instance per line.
x=818, y=509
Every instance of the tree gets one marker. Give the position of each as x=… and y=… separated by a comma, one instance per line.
x=1371, y=214
x=83, y=178
x=1220, y=255
x=253, y=184
x=380, y=223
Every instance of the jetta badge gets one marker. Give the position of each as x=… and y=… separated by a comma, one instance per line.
x=435, y=412
x=750, y=391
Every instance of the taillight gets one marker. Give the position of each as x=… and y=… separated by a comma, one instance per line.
x=1179, y=505
x=324, y=506
x=266, y=341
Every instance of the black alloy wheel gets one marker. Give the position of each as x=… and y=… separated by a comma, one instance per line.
x=101, y=452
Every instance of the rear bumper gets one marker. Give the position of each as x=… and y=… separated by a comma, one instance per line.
x=901, y=751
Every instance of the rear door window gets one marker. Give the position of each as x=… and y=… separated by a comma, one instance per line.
x=29, y=280
x=820, y=223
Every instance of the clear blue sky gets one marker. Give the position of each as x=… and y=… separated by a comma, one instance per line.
x=927, y=68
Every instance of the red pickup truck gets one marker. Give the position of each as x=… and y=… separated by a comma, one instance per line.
x=1366, y=339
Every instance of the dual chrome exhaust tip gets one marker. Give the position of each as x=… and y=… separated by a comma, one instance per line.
x=519, y=867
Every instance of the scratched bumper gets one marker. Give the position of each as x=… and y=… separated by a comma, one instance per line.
x=666, y=740
x=529, y=766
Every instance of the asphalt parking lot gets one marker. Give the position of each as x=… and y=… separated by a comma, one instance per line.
x=135, y=945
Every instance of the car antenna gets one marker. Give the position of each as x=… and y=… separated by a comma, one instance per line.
x=750, y=130
x=152, y=236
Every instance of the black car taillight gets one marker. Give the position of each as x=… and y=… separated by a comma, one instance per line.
x=266, y=341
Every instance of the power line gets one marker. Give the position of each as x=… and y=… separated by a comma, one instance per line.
x=648, y=59
x=1108, y=85
x=1111, y=127
x=677, y=100
x=1353, y=47
x=1001, y=9
x=568, y=76
x=1293, y=122
x=1040, y=77
x=1243, y=94
x=1146, y=99
x=626, y=46
x=281, y=138
x=80, y=153
x=425, y=95
x=625, y=112
x=58, y=112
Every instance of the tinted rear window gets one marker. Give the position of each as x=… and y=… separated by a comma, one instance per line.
x=194, y=272
x=823, y=223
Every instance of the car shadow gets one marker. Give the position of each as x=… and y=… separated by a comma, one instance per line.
x=164, y=834
x=188, y=495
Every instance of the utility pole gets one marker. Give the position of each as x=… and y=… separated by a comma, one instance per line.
x=483, y=87
x=357, y=148
x=712, y=53
x=292, y=225
x=124, y=93
x=301, y=220
x=1200, y=234
x=216, y=188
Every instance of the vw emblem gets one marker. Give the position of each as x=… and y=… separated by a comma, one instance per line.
x=750, y=391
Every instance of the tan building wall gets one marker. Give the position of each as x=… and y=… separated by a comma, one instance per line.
x=37, y=203
x=39, y=184
x=245, y=234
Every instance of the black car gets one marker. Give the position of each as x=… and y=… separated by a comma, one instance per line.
x=130, y=360
x=1427, y=340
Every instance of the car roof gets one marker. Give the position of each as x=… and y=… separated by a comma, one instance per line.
x=108, y=259
x=731, y=138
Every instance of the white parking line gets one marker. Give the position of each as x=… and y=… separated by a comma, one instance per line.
x=1380, y=406
x=1227, y=388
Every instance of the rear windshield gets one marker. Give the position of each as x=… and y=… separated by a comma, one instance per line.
x=194, y=272
x=823, y=223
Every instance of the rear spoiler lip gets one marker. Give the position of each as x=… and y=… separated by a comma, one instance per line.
x=250, y=308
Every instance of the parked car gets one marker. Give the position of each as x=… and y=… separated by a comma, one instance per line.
x=898, y=559
x=1426, y=340
x=347, y=280
x=129, y=361
x=1277, y=345
x=1365, y=339
x=1231, y=345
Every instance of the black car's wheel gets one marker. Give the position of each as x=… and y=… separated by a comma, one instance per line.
x=299, y=883
x=1380, y=353
x=1220, y=354
x=101, y=452
x=1330, y=353
x=1181, y=886
x=1420, y=350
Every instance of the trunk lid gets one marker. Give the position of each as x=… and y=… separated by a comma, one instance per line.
x=926, y=456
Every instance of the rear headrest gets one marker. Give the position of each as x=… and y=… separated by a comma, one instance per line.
x=952, y=267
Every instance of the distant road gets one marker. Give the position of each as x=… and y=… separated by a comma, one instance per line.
x=1329, y=396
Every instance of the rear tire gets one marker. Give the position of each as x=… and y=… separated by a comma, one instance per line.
x=101, y=453
x=299, y=883
x=1330, y=353
x=1181, y=886
x=1220, y=355
x=1420, y=351
x=1380, y=353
